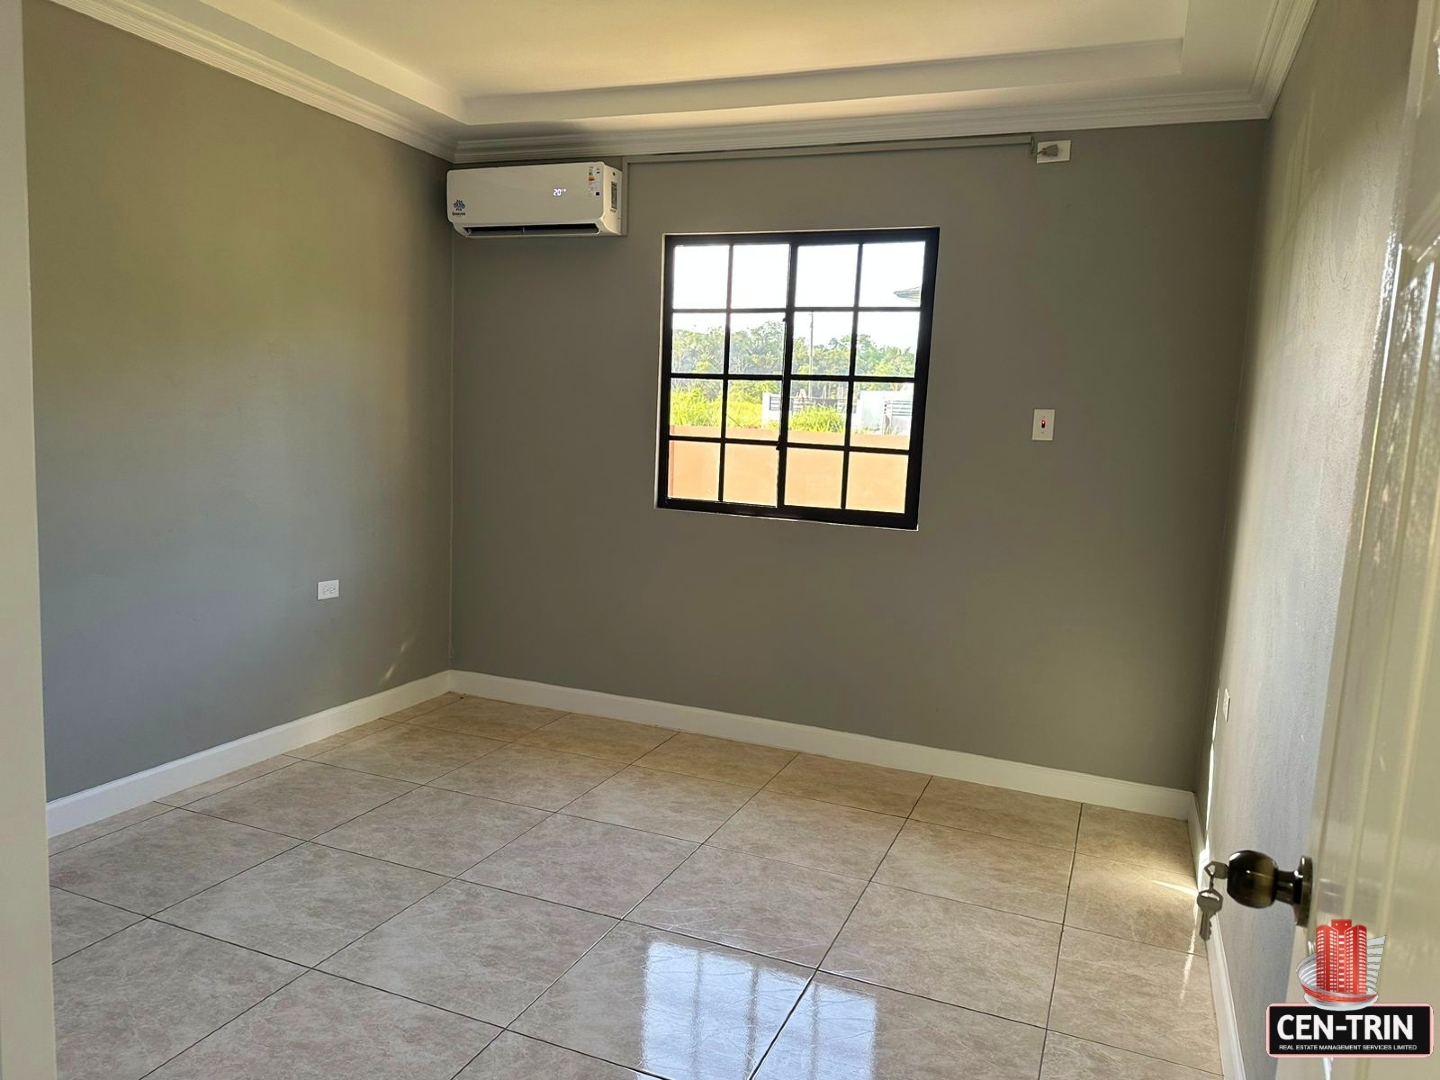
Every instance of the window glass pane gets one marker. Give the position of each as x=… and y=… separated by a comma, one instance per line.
x=695, y=407
x=812, y=477
x=887, y=343
x=822, y=343
x=762, y=276
x=752, y=409
x=757, y=343
x=825, y=275
x=751, y=473
x=817, y=411
x=882, y=415
x=891, y=274
x=700, y=275
x=877, y=482
x=694, y=470
x=697, y=343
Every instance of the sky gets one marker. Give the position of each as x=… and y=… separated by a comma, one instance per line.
x=825, y=277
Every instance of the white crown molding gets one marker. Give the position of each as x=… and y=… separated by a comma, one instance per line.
x=183, y=37
x=1281, y=42
x=1130, y=60
x=1097, y=113
x=1284, y=29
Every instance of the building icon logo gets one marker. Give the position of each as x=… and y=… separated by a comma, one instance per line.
x=1341, y=974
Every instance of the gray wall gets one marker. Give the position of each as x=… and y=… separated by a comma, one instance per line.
x=1329, y=191
x=242, y=382
x=1057, y=604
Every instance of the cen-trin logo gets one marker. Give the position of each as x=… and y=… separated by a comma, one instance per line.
x=1343, y=1018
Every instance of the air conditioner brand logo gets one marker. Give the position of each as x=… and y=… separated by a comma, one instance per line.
x=1342, y=1018
x=459, y=207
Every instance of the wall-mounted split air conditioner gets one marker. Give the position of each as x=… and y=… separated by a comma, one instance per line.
x=573, y=199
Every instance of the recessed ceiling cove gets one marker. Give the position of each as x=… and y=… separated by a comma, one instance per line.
x=497, y=80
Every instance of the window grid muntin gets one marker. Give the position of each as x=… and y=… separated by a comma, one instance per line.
x=906, y=519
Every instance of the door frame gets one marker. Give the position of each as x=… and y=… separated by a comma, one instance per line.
x=27, y=1021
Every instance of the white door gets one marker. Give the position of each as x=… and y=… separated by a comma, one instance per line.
x=1375, y=826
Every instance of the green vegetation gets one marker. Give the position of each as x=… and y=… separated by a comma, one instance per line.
x=760, y=351
x=820, y=418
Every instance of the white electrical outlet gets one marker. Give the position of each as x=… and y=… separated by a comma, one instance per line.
x=1049, y=151
x=328, y=590
x=1042, y=428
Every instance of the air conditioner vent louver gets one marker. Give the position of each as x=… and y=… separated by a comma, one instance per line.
x=571, y=199
x=590, y=229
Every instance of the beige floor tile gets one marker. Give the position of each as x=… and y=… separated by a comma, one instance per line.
x=78, y=921
x=1142, y=839
x=514, y=1057
x=1137, y=997
x=685, y=807
x=323, y=1028
x=162, y=861
x=993, y=872
x=1068, y=1058
x=229, y=780
x=472, y=950
x=668, y=1005
x=129, y=1003
x=760, y=905
x=586, y=864
x=839, y=839
x=958, y=953
x=846, y=1030
x=597, y=736
x=106, y=826
x=718, y=759
x=490, y=719
x=304, y=905
x=1015, y=815
x=446, y=832
x=344, y=738
x=521, y=774
x=410, y=752
x=849, y=783
x=303, y=800
x=1156, y=907
x=414, y=711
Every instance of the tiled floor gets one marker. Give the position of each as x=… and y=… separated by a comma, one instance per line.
x=489, y=891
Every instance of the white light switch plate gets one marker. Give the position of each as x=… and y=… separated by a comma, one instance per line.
x=1042, y=428
x=328, y=590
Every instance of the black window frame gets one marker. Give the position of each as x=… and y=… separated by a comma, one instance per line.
x=908, y=519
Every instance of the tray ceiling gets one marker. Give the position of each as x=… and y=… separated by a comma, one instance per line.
x=490, y=80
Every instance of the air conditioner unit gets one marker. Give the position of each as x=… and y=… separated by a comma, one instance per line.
x=572, y=199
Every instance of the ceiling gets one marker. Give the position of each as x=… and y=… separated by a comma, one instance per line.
x=476, y=80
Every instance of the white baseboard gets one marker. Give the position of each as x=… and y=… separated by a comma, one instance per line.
x=1036, y=779
x=1232, y=1062
x=84, y=807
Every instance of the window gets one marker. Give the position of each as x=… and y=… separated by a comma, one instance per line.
x=793, y=374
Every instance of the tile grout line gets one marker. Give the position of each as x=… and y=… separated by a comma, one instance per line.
x=617, y=922
x=447, y=878
x=820, y=965
x=227, y=1023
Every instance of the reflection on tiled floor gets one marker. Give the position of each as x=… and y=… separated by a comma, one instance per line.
x=481, y=890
